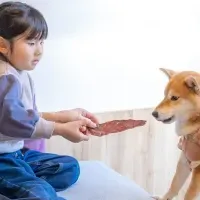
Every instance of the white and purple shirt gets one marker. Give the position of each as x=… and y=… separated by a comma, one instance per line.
x=19, y=118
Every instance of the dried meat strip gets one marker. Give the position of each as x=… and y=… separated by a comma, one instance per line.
x=115, y=126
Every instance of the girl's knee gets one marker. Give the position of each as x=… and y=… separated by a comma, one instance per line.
x=67, y=175
x=76, y=171
x=71, y=174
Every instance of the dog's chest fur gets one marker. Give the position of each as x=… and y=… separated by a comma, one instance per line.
x=187, y=125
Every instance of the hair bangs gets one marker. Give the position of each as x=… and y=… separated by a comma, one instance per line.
x=36, y=28
x=19, y=18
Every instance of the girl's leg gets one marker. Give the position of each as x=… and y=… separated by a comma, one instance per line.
x=18, y=181
x=59, y=171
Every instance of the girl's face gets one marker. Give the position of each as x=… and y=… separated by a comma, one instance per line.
x=24, y=54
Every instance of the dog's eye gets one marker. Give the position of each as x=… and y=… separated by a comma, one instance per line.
x=174, y=98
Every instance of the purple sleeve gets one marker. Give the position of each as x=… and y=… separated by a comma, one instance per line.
x=15, y=120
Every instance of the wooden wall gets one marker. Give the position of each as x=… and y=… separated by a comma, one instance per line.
x=147, y=154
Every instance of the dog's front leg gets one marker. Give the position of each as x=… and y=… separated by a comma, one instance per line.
x=181, y=174
x=193, y=191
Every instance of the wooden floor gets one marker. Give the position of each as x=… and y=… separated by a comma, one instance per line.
x=148, y=154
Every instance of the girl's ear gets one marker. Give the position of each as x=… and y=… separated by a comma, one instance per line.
x=4, y=46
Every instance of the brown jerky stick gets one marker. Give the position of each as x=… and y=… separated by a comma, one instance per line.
x=115, y=126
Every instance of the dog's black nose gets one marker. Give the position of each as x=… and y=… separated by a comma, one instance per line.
x=155, y=114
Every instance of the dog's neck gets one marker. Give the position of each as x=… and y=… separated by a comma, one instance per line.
x=188, y=123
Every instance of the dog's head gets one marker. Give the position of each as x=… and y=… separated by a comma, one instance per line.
x=181, y=96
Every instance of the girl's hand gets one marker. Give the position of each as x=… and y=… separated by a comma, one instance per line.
x=75, y=114
x=73, y=131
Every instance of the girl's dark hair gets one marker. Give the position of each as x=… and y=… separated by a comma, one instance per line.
x=16, y=18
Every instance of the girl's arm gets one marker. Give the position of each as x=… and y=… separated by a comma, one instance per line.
x=15, y=120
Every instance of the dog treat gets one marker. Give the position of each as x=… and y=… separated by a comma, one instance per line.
x=115, y=126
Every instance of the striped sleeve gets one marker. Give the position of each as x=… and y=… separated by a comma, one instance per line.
x=15, y=120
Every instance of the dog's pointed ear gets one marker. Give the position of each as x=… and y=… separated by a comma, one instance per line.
x=168, y=72
x=192, y=83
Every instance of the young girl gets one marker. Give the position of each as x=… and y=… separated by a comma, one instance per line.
x=28, y=174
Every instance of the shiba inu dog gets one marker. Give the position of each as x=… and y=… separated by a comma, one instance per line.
x=181, y=104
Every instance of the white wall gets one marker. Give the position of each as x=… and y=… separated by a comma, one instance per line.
x=116, y=47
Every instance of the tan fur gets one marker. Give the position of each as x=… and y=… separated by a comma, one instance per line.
x=185, y=112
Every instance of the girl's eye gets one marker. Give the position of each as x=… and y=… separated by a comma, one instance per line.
x=31, y=43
